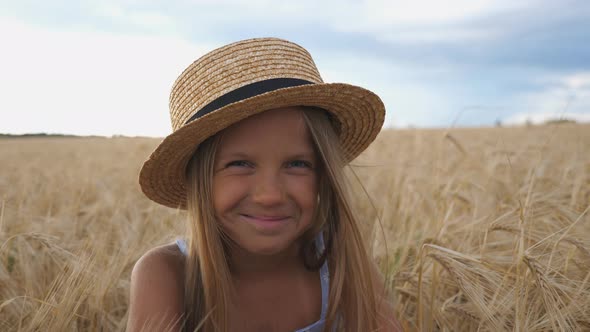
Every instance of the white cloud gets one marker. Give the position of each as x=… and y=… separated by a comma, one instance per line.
x=110, y=83
x=445, y=34
x=408, y=97
x=565, y=97
x=385, y=20
x=423, y=20
x=579, y=82
x=88, y=82
x=375, y=12
x=385, y=12
x=149, y=20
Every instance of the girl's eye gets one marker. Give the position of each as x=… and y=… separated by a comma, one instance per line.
x=238, y=163
x=299, y=164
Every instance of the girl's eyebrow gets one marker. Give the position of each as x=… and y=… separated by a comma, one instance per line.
x=302, y=155
x=233, y=155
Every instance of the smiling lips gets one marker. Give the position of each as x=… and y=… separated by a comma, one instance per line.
x=265, y=218
x=267, y=224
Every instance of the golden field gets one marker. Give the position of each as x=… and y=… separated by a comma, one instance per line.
x=476, y=229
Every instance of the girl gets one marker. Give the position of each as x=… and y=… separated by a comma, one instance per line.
x=257, y=158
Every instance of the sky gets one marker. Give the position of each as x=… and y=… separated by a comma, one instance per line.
x=106, y=67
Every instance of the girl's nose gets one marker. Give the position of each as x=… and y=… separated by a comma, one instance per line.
x=268, y=190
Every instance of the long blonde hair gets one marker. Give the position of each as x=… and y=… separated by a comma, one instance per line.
x=208, y=286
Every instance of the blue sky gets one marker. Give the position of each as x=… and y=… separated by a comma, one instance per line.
x=106, y=67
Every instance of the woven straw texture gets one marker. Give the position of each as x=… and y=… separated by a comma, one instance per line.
x=357, y=113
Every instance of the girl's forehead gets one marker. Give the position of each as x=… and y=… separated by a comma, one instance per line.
x=273, y=128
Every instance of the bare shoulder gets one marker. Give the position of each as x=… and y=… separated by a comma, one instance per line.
x=157, y=290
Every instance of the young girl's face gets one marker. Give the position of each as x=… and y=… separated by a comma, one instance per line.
x=265, y=181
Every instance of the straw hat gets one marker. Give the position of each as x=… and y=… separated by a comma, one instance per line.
x=242, y=79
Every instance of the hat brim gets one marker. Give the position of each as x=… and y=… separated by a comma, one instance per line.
x=359, y=114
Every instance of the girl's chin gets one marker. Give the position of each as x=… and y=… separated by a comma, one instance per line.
x=267, y=248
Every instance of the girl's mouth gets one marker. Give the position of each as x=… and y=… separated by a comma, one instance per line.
x=265, y=218
x=266, y=223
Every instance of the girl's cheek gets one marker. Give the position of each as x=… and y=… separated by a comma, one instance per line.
x=226, y=193
x=305, y=183
x=306, y=189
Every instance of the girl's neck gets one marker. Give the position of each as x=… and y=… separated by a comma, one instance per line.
x=245, y=264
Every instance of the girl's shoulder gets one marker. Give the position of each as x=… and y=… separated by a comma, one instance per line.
x=166, y=259
x=167, y=256
x=157, y=287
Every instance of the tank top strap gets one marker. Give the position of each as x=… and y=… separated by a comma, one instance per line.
x=181, y=243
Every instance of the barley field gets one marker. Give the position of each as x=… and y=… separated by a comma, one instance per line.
x=483, y=229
